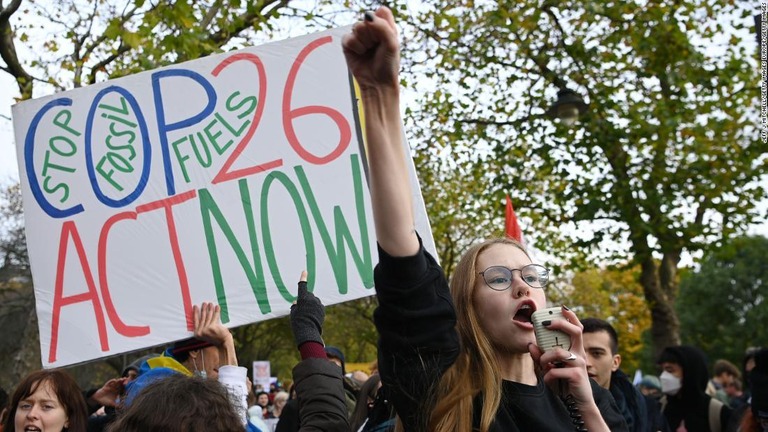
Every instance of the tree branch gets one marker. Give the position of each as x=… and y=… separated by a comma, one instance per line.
x=122, y=49
x=515, y=122
x=8, y=51
x=206, y=22
x=245, y=20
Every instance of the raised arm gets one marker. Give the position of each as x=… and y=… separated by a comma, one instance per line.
x=319, y=385
x=372, y=51
x=208, y=327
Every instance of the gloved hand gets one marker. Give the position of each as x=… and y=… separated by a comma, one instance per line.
x=307, y=315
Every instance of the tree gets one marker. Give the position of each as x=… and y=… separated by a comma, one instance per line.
x=82, y=42
x=614, y=295
x=665, y=161
x=723, y=305
x=13, y=240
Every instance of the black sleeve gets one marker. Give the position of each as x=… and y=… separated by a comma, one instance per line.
x=725, y=417
x=320, y=392
x=89, y=403
x=416, y=322
x=656, y=419
x=289, y=417
x=608, y=408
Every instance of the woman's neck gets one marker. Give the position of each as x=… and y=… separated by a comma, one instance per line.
x=517, y=367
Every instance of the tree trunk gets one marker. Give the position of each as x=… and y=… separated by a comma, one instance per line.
x=659, y=284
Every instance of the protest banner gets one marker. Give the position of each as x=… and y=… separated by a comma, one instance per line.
x=218, y=179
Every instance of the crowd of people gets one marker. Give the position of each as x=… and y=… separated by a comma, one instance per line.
x=458, y=355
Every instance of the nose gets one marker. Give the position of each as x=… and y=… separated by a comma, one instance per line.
x=32, y=412
x=520, y=288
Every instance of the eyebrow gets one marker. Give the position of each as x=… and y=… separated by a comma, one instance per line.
x=29, y=399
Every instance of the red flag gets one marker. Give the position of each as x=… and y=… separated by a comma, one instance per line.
x=513, y=230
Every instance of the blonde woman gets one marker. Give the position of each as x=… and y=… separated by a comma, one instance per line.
x=460, y=359
x=281, y=398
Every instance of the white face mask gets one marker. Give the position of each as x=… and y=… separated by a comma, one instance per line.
x=670, y=384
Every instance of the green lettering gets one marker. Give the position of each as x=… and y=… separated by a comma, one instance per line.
x=107, y=175
x=253, y=271
x=119, y=162
x=337, y=252
x=48, y=164
x=128, y=145
x=213, y=138
x=306, y=231
x=207, y=162
x=251, y=100
x=181, y=158
x=72, y=146
x=58, y=186
x=122, y=110
x=229, y=127
x=65, y=124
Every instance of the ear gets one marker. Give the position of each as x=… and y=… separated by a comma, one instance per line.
x=194, y=354
x=616, y=362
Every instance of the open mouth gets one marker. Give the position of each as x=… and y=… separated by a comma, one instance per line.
x=32, y=429
x=525, y=311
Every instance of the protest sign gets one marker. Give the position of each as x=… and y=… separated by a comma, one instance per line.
x=219, y=179
x=262, y=374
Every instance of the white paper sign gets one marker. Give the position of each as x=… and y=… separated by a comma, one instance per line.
x=219, y=179
x=261, y=374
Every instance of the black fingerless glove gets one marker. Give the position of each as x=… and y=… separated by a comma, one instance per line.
x=307, y=317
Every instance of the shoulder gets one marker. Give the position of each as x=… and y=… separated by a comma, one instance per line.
x=608, y=408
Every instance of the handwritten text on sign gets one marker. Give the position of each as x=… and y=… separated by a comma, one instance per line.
x=214, y=180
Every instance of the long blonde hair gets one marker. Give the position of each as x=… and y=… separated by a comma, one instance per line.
x=476, y=370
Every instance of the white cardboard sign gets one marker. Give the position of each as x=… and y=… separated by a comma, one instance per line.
x=219, y=179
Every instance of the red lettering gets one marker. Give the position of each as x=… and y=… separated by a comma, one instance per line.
x=181, y=271
x=225, y=174
x=345, y=132
x=117, y=323
x=68, y=229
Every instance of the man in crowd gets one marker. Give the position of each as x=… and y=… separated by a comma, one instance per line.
x=601, y=344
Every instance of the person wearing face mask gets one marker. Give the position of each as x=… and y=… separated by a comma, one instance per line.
x=685, y=404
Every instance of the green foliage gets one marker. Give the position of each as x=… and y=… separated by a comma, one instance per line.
x=665, y=116
x=348, y=326
x=665, y=160
x=723, y=307
x=614, y=295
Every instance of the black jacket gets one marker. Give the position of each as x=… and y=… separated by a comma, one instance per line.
x=320, y=394
x=418, y=342
x=641, y=413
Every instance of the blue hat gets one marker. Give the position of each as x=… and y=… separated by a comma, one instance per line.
x=332, y=351
x=651, y=381
x=136, y=386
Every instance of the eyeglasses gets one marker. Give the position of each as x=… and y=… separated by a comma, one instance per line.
x=499, y=278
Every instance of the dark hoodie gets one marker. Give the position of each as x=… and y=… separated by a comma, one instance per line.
x=691, y=403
